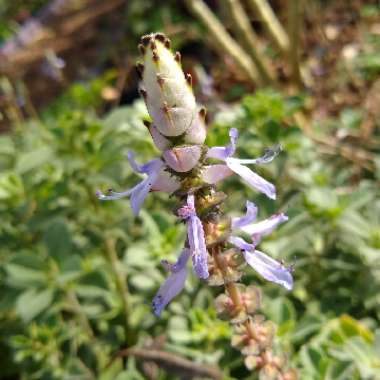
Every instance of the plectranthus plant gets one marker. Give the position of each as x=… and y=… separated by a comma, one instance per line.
x=218, y=246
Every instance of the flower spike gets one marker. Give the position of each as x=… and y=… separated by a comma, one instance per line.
x=177, y=125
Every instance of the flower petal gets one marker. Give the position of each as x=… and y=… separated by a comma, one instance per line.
x=269, y=155
x=197, y=245
x=141, y=190
x=165, y=182
x=173, y=285
x=248, y=218
x=241, y=243
x=266, y=226
x=196, y=238
x=182, y=159
x=139, y=194
x=159, y=140
x=112, y=195
x=251, y=178
x=269, y=268
x=221, y=152
x=196, y=134
x=214, y=173
x=148, y=168
x=134, y=165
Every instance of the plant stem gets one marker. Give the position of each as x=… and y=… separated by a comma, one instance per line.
x=248, y=39
x=121, y=283
x=224, y=41
x=77, y=308
x=271, y=23
x=295, y=18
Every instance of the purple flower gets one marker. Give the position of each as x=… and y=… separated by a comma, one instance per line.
x=157, y=179
x=249, y=217
x=259, y=229
x=237, y=166
x=267, y=267
x=174, y=284
x=196, y=238
x=264, y=265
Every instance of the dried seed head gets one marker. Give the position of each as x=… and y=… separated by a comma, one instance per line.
x=224, y=306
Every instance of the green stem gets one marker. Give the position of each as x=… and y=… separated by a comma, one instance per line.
x=121, y=285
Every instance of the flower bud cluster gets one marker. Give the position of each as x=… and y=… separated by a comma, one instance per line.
x=178, y=124
x=187, y=169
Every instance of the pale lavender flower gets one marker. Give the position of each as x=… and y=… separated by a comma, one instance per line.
x=267, y=267
x=156, y=179
x=247, y=219
x=174, y=284
x=258, y=229
x=237, y=166
x=196, y=237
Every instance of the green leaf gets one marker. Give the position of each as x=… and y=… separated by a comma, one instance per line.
x=11, y=186
x=34, y=159
x=21, y=276
x=143, y=281
x=57, y=238
x=33, y=302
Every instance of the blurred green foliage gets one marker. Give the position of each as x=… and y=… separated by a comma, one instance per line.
x=65, y=256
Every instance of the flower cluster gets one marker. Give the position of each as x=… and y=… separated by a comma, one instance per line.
x=218, y=246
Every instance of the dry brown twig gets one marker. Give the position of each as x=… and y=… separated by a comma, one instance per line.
x=271, y=23
x=248, y=38
x=55, y=31
x=174, y=363
x=225, y=43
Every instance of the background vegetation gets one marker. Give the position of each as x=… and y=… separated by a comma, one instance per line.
x=77, y=276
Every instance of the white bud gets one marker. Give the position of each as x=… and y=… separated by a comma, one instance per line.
x=168, y=96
